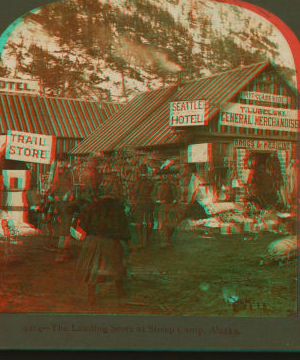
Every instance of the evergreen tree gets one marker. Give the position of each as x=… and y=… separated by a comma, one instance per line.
x=140, y=40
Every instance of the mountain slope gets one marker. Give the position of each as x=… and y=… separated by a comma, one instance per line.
x=116, y=49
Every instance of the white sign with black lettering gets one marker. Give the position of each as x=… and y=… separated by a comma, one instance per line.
x=188, y=113
x=259, y=117
x=262, y=144
x=259, y=96
x=29, y=147
x=19, y=86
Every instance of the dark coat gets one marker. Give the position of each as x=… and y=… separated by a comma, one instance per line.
x=143, y=194
x=105, y=217
x=102, y=254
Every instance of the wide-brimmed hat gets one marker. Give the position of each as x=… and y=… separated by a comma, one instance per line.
x=143, y=170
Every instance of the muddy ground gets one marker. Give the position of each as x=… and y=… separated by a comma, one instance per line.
x=201, y=274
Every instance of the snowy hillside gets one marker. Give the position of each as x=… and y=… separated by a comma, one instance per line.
x=115, y=49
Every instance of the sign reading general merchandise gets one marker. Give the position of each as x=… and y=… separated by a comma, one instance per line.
x=259, y=117
x=188, y=113
x=19, y=86
x=259, y=96
x=262, y=144
x=29, y=147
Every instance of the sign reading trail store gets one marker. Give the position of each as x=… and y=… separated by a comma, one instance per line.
x=19, y=86
x=29, y=147
x=189, y=113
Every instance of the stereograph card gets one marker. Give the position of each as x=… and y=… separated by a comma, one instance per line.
x=149, y=162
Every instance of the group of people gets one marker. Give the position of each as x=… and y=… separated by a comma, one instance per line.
x=101, y=217
x=102, y=204
x=100, y=221
x=156, y=206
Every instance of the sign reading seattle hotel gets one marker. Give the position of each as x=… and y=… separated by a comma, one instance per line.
x=29, y=147
x=259, y=117
x=19, y=86
x=188, y=113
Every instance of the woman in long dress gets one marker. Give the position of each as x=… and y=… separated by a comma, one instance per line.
x=102, y=255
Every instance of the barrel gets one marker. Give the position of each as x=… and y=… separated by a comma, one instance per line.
x=15, y=184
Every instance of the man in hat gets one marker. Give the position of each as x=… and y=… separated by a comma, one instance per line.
x=62, y=194
x=167, y=193
x=144, y=206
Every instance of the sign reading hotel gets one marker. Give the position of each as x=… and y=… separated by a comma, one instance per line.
x=199, y=153
x=188, y=113
x=262, y=144
x=19, y=86
x=29, y=147
x=259, y=96
x=259, y=117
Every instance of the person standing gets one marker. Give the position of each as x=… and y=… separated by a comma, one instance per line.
x=264, y=182
x=166, y=194
x=106, y=230
x=62, y=194
x=144, y=207
x=48, y=217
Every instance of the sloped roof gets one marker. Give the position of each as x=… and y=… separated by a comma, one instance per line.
x=53, y=116
x=145, y=120
x=127, y=122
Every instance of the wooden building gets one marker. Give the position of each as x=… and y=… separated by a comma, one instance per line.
x=251, y=113
x=70, y=121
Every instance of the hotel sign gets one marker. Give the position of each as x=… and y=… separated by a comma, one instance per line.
x=259, y=117
x=29, y=147
x=259, y=96
x=188, y=113
x=19, y=86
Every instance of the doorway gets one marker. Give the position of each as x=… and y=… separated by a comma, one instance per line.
x=264, y=187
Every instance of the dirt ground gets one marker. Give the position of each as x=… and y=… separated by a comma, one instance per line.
x=201, y=274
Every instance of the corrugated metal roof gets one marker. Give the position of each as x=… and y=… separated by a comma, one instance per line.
x=126, y=122
x=145, y=121
x=53, y=116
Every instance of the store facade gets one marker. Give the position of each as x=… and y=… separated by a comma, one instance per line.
x=232, y=126
x=252, y=139
x=35, y=131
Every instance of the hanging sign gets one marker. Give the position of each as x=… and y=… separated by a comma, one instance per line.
x=199, y=153
x=259, y=117
x=259, y=96
x=188, y=113
x=29, y=147
x=19, y=86
x=2, y=146
x=262, y=144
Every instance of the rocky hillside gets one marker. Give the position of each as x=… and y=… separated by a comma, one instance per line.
x=115, y=49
